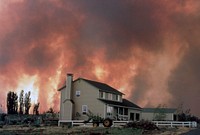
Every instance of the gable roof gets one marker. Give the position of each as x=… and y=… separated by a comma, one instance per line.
x=124, y=103
x=103, y=87
x=154, y=110
x=62, y=88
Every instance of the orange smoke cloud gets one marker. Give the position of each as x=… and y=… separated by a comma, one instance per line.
x=136, y=46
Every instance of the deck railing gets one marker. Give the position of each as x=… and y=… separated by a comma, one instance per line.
x=122, y=117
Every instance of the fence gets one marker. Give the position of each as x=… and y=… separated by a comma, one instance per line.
x=176, y=123
x=75, y=122
x=121, y=123
x=82, y=123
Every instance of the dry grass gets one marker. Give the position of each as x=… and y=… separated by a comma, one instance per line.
x=52, y=130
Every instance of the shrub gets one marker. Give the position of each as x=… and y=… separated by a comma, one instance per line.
x=146, y=125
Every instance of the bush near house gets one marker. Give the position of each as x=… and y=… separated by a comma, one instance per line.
x=145, y=125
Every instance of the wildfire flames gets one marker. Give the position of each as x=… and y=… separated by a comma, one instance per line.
x=147, y=49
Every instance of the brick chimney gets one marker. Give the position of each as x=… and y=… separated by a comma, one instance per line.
x=68, y=93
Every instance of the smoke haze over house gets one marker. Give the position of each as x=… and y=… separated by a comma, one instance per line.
x=149, y=50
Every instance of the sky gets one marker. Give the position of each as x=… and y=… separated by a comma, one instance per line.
x=147, y=49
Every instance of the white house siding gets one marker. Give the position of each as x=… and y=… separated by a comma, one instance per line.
x=88, y=96
x=150, y=116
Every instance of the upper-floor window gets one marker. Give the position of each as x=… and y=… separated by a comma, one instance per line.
x=115, y=97
x=78, y=93
x=109, y=96
x=119, y=98
x=106, y=95
x=101, y=94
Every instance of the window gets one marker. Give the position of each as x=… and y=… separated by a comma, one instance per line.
x=125, y=111
x=115, y=97
x=120, y=110
x=137, y=117
x=109, y=96
x=109, y=111
x=84, y=109
x=100, y=94
x=132, y=116
x=119, y=98
x=78, y=93
x=106, y=95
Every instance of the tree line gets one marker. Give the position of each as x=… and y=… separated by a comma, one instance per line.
x=21, y=105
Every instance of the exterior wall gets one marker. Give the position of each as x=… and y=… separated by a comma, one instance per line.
x=147, y=116
x=169, y=116
x=150, y=116
x=88, y=96
x=67, y=115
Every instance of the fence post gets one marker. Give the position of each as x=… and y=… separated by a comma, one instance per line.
x=194, y=124
x=59, y=123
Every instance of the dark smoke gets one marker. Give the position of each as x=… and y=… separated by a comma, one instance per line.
x=136, y=46
x=184, y=81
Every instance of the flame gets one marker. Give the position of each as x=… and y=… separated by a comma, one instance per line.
x=52, y=88
x=29, y=83
x=99, y=72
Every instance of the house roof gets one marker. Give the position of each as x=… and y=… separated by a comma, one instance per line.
x=154, y=110
x=124, y=103
x=62, y=88
x=102, y=86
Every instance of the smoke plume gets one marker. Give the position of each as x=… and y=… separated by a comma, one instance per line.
x=147, y=49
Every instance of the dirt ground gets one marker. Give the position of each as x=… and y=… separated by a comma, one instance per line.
x=55, y=130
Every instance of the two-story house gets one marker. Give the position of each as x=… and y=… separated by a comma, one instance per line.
x=81, y=96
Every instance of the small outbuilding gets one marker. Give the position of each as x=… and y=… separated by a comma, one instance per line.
x=167, y=114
